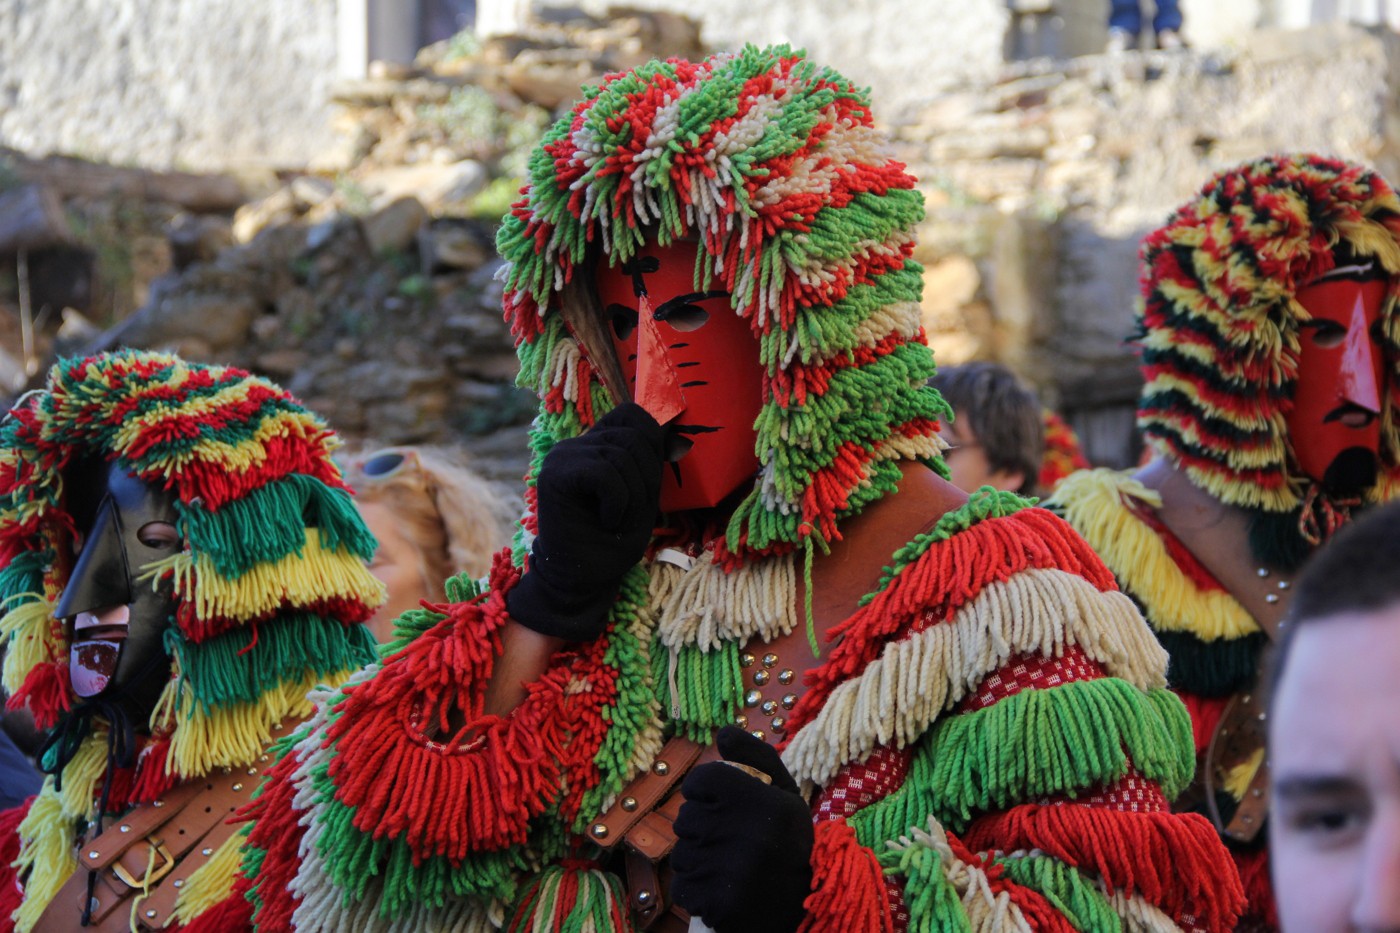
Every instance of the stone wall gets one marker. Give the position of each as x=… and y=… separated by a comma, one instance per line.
x=168, y=83
x=1042, y=183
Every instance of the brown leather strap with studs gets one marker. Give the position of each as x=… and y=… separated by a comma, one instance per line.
x=1217, y=535
x=150, y=853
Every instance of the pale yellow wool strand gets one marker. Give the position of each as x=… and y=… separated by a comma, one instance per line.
x=1094, y=502
x=899, y=695
x=31, y=639
x=297, y=580
x=1137, y=914
x=708, y=607
x=212, y=882
x=46, y=856
x=234, y=735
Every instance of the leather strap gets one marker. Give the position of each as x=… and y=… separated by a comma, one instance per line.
x=646, y=791
x=1217, y=535
x=154, y=848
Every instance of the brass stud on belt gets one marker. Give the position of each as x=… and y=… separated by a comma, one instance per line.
x=1263, y=572
x=785, y=676
x=598, y=831
x=238, y=787
x=94, y=854
x=759, y=734
x=770, y=659
x=124, y=828
x=769, y=707
x=1271, y=598
x=151, y=913
x=661, y=768
x=789, y=700
x=629, y=804
x=752, y=697
x=779, y=724
x=746, y=660
x=252, y=771
x=1283, y=584
x=644, y=898
x=761, y=678
x=741, y=721
x=158, y=803
x=179, y=882
x=206, y=852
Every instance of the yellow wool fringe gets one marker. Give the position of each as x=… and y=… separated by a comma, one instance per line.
x=297, y=580
x=1237, y=780
x=1094, y=502
x=32, y=638
x=1137, y=914
x=212, y=882
x=235, y=735
x=45, y=856
x=708, y=607
x=986, y=909
x=903, y=692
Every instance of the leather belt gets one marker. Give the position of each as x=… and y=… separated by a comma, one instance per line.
x=150, y=852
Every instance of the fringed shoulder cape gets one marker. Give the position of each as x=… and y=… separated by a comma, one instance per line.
x=1214, y=644
x=988, y=743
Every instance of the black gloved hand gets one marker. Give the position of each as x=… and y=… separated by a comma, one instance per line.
x=597, y=498
x=743, y=851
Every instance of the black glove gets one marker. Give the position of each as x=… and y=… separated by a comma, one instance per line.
x=597, y=498
x=743, y=851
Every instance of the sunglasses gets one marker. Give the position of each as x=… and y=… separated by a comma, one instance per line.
x=387, y=463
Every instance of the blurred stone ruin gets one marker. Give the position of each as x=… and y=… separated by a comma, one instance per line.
x=365, y=282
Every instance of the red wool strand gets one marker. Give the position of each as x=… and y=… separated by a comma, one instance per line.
x=848, y=888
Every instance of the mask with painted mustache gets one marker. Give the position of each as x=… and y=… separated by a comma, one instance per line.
x=693, y=364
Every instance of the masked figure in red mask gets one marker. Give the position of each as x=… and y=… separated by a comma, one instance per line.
x=753, y=661
x=1269, y=347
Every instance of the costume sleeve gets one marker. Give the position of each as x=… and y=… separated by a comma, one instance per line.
x=401, y=796
x=1023, y=703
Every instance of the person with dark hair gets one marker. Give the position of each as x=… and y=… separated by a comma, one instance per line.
x=1268, y=329
x=1334, y=737
x=996, y=437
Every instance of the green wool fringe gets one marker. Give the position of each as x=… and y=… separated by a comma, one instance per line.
x=23, y=577
x=269, y=523
x=933, y=903
x=587, y=905
x=240, y=665
x=983, y=504
x=352, y=858
x=1038, y=743
x=709, y=687
x=1068, y=891
x=635, y=706
x=822, y=333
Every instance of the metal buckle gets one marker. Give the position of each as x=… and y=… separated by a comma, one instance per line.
x=156, y=873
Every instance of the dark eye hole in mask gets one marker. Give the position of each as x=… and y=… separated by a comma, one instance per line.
x=1351, y=474
x=623, y=320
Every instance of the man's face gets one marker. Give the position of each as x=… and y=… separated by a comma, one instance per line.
x=117, y=623
x=693, y=364
x=1334, y=425
x=1335, y=761
x=968, y=467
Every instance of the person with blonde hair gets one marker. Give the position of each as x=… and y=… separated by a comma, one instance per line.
x=434, y=517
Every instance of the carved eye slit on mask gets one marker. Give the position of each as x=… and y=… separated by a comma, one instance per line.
x=692, y=363
x=1334, y=422
x=118, y=620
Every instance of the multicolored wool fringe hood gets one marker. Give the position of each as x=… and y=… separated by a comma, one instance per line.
x=269, y=588
x=1220, y=321
x=993, y=683
x=773, y=163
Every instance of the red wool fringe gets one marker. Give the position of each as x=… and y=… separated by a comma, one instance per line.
x=278, y=833
x=11, y=893
x=492, y=774
x=848, y=888
x=233, y=914
x=1040, y=914
x=1205, y=716
x=1258, y=887
x=47, y=693
x=1174, y=861
x=944, y=579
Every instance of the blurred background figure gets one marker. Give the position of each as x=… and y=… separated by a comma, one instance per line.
x=996, y=436
x=1063, y=452
x=433, y=517
x=1334, y=739
x=1125, y=25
